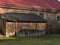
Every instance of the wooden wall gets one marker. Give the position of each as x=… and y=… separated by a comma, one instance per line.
x=12, y=27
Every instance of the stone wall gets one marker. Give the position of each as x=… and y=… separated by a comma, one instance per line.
x=52, y=22
x=2, y=26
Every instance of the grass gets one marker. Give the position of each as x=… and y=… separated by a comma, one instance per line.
x=51, y=39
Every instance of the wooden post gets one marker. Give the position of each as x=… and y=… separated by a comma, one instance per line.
x=36, y=27
x=15, y=27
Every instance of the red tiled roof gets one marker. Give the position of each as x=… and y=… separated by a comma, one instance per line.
x=46, y=4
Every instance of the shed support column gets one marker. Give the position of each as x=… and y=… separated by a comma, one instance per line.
x=28, y=33
x=36, y=28
x=15, y=28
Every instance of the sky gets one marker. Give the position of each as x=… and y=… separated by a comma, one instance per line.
x=58, y=0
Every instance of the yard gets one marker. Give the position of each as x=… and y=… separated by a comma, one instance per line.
x=51, y=39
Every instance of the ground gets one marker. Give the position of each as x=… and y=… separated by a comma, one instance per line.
x=51, y=39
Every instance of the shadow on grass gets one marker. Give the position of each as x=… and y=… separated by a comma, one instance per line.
x=44, y=37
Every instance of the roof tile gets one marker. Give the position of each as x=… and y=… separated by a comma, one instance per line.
x=48, y=4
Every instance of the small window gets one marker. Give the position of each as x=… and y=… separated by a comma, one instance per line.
x=41, y=15
x=58, y=18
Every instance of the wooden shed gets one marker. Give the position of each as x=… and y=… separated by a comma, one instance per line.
x=23, y=24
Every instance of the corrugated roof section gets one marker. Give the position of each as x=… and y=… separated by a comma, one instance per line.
x=22, y=17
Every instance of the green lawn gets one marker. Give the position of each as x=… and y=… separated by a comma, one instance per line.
x=51, y=39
